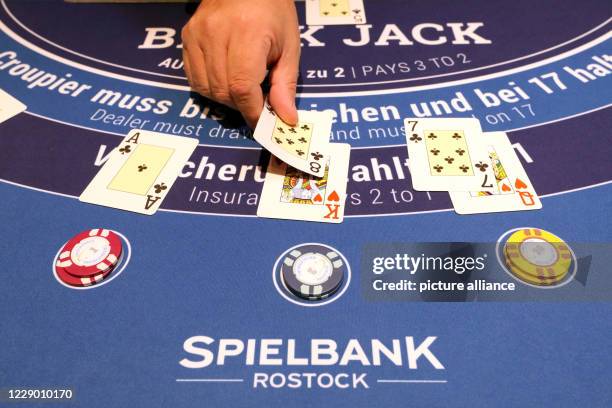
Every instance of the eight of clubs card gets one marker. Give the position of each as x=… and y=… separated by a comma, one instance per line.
x=335, y=12
x=140, y=172
x=9, y=106
x=516, y=193
x=294, y=195
x=304, y=146
x=448, y=155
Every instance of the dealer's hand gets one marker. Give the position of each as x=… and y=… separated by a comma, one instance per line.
x=229, y=44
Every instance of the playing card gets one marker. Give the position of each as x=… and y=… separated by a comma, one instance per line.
x=9, y=106
x=448, y=154
x=335, y=12
x=516, y=193
x=140, y=172
x=294, y=195
x=304, y=147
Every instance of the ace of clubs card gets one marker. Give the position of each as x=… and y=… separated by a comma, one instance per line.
x=335, y=12
x=294, y=195
x=140, y=172
x=448, y=154
x=304, y=146
x=516, y=193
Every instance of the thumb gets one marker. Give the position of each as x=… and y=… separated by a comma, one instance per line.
x=283, y=80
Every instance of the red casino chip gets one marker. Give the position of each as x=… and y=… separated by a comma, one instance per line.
x=82, y=281
x=90, y=253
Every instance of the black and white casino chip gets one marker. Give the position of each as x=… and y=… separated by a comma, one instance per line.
x=313, y=272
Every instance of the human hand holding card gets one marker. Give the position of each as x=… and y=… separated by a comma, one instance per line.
x=448, y=154
x=516, y=193
x=291, y=194
x=140, y=172
x=304, y=146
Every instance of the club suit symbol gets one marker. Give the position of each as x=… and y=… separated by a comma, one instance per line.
x=160, y=187
x=482, y=166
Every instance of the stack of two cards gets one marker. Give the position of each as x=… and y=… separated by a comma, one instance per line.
x=481, y=171
x=307, y=175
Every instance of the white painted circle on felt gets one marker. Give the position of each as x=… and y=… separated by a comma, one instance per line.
x=127, y=254
x=284, y=293
x=499, y=251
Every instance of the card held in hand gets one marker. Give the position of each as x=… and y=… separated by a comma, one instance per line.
x=140, y=172
x=516, y=193
x=294, y=195
x=304, y=146
x=448, y=154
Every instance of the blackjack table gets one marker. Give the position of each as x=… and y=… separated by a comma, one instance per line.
x=198, y=312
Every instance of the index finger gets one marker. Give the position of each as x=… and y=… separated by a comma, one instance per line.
x=246, y=70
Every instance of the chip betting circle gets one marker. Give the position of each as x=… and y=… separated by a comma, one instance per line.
x=90, y=253
x=537, y=256
x=313, y=272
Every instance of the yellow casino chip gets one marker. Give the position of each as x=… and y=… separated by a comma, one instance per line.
x=543, y=278
x=525, y=277
x=541, y=273
x=538, y=253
